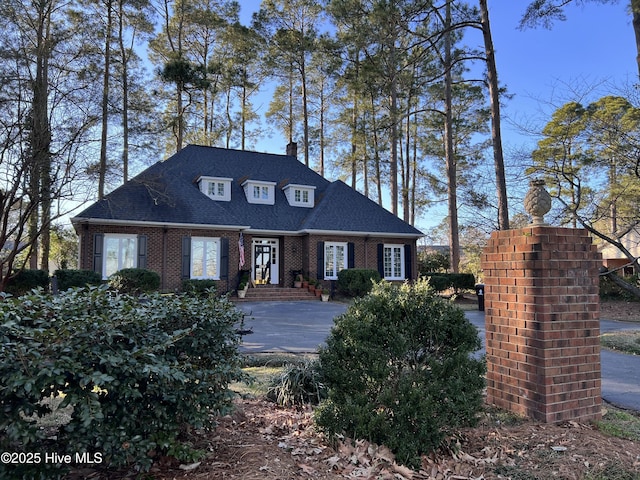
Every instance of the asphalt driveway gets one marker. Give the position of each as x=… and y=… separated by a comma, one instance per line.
x=300, y=327
x=293, y=327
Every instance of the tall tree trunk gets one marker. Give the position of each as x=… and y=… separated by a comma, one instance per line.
x=41, y=141
x=179, y=132
x=452, y=183
x=243, y=126
x=125, y=95
x=354, y=125
x=635, y=12
x=102, y=173
x=290, y=103
x=496, y=136
x=322, y=146
x=393, y=167
x=376, y=149
x=305, y=110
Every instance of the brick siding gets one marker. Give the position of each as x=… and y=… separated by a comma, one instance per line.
x=542, y=323
x=164, y=251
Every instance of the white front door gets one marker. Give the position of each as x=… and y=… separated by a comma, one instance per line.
x=265, y=261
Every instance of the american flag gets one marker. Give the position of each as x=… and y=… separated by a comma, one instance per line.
x=241, y=249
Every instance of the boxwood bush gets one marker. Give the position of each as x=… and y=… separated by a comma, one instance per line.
x=137, y=374
x=76, y=278
x=135, y=280
x=26, y=280
x=356, y=282
x=399, y=371
x=456, y=281
x=199, y=287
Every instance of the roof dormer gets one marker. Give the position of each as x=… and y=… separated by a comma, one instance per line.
x=258, y=191
x=216, y=188
x=300, y=195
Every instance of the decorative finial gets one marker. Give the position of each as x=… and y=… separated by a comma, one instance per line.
x=537, y=202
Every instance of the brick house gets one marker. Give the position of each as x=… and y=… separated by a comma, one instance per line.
x=191, y=216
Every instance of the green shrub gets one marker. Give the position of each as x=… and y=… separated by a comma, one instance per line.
x=298, y=385
x=77, y=278
x=26, y=280
x=399, y=371
x=135, y=281
x=433, y=262
x=137, y=374
x=200, y=288
x=356, y=282
x=456, y=281
x=610, y=290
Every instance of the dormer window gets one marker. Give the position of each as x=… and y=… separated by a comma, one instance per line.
x=216, y=188
x=259, y=192
x=300, y=195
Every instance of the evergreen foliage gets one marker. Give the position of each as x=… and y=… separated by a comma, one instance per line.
x=135, y=280
x=26, y=280
x=356, y=282
x=399, y=371
x=76, y=278
x=135, y=374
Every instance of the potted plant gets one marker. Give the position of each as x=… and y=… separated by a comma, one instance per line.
x=318, y=290
x=305, y=282
x=297, y=283
x=325, y=295
x=312, y=285
x=243, y=286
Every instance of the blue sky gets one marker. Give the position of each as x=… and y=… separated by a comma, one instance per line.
x=595, y=44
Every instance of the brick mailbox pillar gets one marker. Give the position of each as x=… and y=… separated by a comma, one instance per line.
x=542, y=323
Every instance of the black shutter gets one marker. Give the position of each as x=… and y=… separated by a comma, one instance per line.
x=98, y=245
x=320, y=261
x=224, y=258
x=408, y=262
x=186, y=257
x=381, y=259
x=351, y=255
x=142, y=251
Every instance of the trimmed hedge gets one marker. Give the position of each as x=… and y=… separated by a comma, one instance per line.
x=137, y=374
x=356, y=282
x=77, y=278
x=399, y=371
x=135, y=281
x=26, y=280
x=199, y=287
x=456, y=281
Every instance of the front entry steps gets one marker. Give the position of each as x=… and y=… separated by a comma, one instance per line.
x=275, y=293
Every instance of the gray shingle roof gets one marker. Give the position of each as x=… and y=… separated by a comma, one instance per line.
x=167, y=193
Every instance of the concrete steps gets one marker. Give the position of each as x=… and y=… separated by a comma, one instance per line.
x=274, y=293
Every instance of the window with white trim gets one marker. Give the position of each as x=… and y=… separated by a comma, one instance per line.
x=300, y=195
x=216, y=188
x=120, y=251
x=335, y=259
x=394, y=262
x=205, y=258
x=259, y=192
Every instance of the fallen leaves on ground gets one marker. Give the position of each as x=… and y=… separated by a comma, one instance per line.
x=266, y=442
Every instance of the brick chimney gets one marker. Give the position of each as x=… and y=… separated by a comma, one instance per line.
x=292, y=149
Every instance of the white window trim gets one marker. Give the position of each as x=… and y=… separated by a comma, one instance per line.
x=119, y=236
x=333, y=245
x=249, y=185
x=205, y=182
x=290, y=191
x=402, y=272
x=218, y=253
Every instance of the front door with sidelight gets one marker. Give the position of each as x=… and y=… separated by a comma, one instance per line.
x=265, y=261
